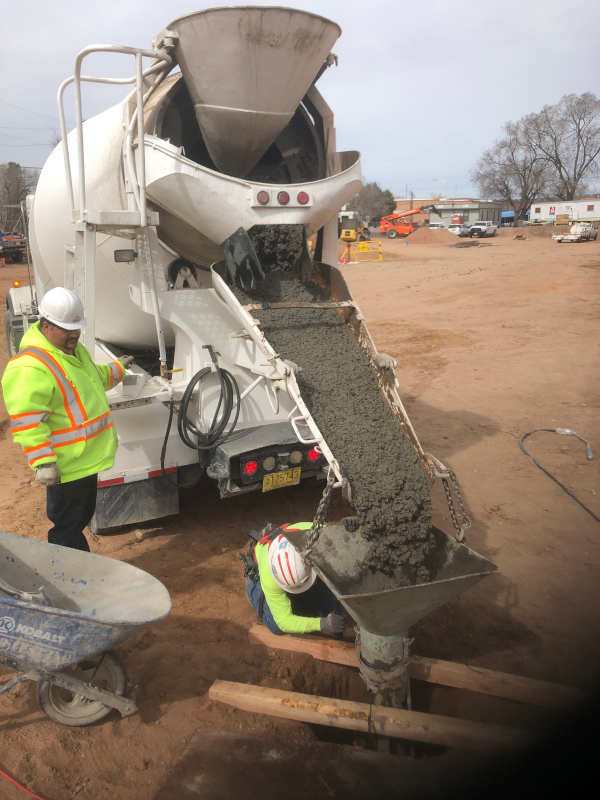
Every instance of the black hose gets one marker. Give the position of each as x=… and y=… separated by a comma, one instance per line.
x=589, y=455
x=188, y=432
x=190, y=435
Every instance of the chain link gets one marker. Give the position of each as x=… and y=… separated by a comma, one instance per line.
x=451, y=487
x=320, y=515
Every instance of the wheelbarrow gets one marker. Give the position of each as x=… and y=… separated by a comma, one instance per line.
x=61, y=612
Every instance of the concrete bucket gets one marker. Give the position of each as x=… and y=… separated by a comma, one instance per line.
x=385, y=607
x=247, y=69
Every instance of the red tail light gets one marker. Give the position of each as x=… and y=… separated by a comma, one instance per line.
x=250, y=468
x=303, y=198
x=283, y=198
x=263, y=197
x=313, y=455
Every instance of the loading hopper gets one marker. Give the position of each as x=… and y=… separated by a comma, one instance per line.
x=387, y=605
x=247, y=69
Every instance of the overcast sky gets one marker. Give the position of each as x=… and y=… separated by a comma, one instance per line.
x=421, y=88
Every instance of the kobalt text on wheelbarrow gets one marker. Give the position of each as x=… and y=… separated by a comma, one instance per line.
x=61, y=610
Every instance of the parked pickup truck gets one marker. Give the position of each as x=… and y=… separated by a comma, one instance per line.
x=483, y=228
x=578, y=232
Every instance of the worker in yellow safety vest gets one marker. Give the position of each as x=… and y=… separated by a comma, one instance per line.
x=55, y=397
x=284, y=589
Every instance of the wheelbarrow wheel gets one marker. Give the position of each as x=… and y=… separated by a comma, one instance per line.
x=105, y=672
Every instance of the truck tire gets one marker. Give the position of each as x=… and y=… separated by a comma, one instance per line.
x=392, y=234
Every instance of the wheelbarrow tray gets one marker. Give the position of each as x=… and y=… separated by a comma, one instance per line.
x=95, y=602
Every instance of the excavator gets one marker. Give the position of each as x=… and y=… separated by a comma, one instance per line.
x=393, y=225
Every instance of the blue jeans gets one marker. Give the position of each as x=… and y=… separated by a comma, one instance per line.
x=254, y=593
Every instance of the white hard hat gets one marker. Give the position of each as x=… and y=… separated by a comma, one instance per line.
x=289, y=569
x=62, y=307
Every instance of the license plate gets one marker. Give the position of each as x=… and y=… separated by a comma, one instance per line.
x=277, y=480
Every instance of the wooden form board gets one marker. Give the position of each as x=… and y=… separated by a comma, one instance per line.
x=432, y=670
x=414, y=726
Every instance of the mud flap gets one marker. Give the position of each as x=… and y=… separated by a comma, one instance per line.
x=130, y=503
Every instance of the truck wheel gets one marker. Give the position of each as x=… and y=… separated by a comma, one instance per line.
x=105, y=672
x=392, y=234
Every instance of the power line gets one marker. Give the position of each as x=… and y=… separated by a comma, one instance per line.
x=28, y=110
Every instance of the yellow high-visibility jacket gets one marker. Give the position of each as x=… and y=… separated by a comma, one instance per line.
x=58, y=408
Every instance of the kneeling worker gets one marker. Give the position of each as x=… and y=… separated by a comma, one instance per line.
x=55, y=397
x=285, y=591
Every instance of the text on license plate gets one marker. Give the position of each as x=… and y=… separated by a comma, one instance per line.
x=277, y=480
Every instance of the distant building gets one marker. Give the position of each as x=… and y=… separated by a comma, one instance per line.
x=466, y=210
x=586, y=209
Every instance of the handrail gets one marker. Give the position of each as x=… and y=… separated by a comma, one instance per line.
x=161, y=63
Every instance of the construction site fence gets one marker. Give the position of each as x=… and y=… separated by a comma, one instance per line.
x=362, y=251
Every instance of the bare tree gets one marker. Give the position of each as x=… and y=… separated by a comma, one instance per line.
x=567, y=136
x=372, y=203
x=512, y=170
x=16, y=182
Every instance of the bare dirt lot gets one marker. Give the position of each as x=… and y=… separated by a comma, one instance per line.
x=492, y=341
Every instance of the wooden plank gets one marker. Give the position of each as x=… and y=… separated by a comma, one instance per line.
x=433, y=670
x=393, y=722
x=500, y=684
x=333, y=650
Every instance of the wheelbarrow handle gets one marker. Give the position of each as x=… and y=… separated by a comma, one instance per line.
x=38, y=596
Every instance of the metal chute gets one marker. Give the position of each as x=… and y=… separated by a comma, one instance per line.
x=247, y=69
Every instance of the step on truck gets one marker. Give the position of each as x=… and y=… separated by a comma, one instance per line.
x=149, y=211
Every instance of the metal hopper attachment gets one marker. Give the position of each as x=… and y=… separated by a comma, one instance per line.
x=247, y=69
x=384, y=607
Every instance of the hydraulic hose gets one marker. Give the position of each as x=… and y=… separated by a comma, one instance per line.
x=189, y=434
x=588, y=452
x=218, y=431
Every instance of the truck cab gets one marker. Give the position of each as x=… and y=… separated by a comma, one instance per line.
x=484, y=227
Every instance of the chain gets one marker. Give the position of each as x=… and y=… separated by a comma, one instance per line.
x=450, y=484
x=320, y=515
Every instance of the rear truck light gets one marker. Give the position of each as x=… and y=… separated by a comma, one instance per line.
x=262, y=197
x=16, y=284
x=302, y=198
x=250, y=468
x=313, y=455
x=295, y=457
x=283, y=198
x=268, y=463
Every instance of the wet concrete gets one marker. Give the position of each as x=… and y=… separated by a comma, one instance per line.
x=390, y=490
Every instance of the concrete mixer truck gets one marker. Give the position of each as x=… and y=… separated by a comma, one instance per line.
x=144, y=210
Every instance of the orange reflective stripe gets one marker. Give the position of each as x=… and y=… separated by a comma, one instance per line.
x=30, y=419
x=80, y=433
x=36, y=447
x=41, y=455
x=73, y=405
x=84, y=438
x=116, y=373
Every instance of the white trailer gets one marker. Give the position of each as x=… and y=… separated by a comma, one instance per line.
x=584, y=210
x=136, y=209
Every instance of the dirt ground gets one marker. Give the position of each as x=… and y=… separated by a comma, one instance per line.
x=492, y=342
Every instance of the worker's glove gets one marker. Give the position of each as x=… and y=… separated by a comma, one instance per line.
x=48, y=474
x=383, y=361
x=333, y=624
x=126, y=361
